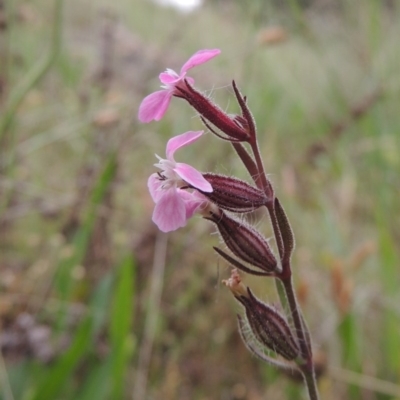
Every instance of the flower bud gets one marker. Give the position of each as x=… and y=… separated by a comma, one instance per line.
x=212, y=113
x=245, y=242
x=233, y=194
x=269, y=326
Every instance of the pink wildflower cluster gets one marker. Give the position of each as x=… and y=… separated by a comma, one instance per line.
x=180, y=190
x=174, y=205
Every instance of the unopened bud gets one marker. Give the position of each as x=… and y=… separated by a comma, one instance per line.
x=269, y=326
x=212, y=113
x=233, y=194
x=245, y=242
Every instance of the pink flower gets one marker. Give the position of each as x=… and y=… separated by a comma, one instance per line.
x=155, y=105
x=174, y=206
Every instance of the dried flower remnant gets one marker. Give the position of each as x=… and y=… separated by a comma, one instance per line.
x=235, y=285
x=174, y=205
x=155, y=105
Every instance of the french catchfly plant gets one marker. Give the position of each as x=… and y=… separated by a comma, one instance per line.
x=179, y=191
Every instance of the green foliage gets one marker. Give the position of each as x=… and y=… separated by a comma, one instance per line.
x=64, y=281
x=121, y=327
x=53, y=380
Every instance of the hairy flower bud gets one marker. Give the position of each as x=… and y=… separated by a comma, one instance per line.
x=212, y=113
x=245, y=242
x=269, y=326
x=233, y=194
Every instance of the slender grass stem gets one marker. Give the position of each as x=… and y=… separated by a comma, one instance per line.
x=5, y=382
x=35, y=74
x=152, y=315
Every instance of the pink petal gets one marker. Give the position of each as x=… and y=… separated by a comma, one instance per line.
x=192, y=201
x=193, y=177
x=198, y=58
x=170, y=211
x=179, y=141
x=168, y=77
x=154, y=184
x=154, y=106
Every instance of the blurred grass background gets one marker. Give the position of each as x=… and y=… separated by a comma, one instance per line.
x=94, y=302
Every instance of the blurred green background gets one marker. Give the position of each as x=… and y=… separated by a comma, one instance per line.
x=95, y=303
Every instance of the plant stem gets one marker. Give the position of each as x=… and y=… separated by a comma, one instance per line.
x=311, y=384
x=268, y=190
x=305, y=349
x=266, y=186
x=248, y=162
x=306, y=364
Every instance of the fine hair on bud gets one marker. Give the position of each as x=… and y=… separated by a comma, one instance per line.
x=245, y=242
x=212, y=113
x=269, y=327
x=233, y=194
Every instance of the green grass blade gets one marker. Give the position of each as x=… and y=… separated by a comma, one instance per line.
x=390, y=282
x=100, y=301
x=63, y=281
x=351, y=342
x=97, y=385
x=53, y=382
x=121, y=325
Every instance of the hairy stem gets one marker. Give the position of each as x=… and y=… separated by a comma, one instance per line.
x=311, y=384
x=296, y=317
x=266, y=185
x=302, y=334
x=285, y=282
x=267, y=188
x=248, y=163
